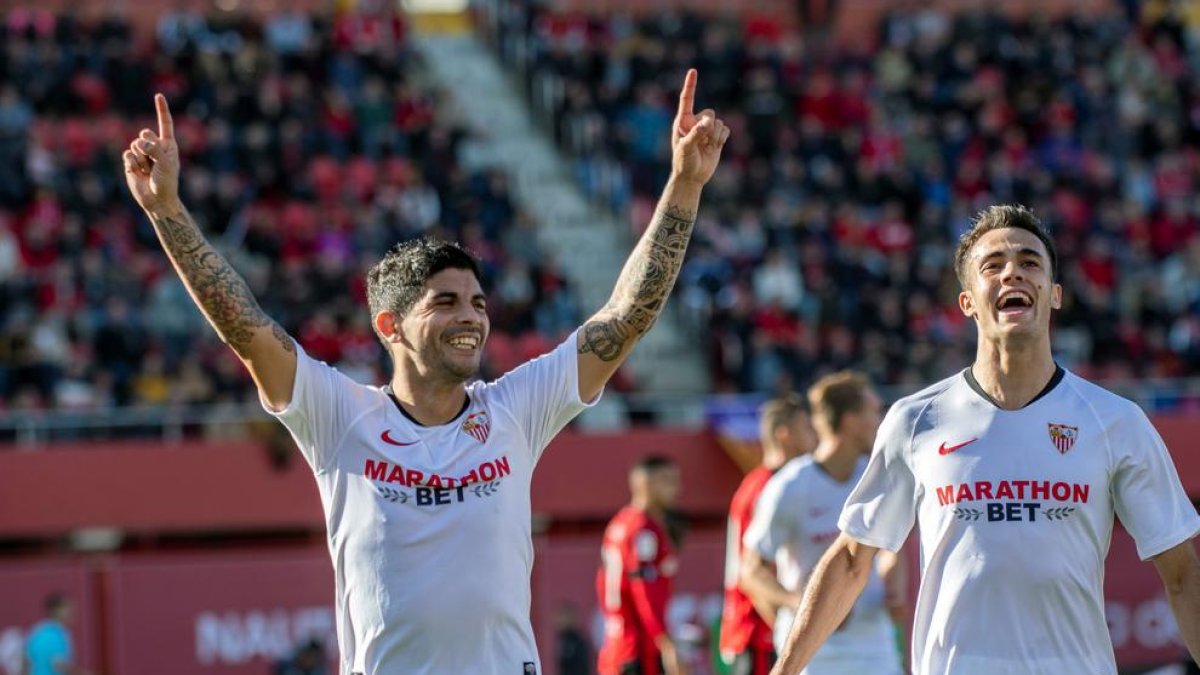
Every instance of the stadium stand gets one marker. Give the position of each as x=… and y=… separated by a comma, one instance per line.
x=827, y=238
x=310, y=145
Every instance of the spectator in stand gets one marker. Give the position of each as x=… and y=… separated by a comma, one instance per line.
x=311, y=149
x=1090, y=118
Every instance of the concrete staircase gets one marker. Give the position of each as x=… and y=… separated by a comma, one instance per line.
x=590, y=244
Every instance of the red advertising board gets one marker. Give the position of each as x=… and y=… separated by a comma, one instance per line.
x=236, y=613
x=1140, y=621
x=565, y=574
x=24, y=587
x=226, y=613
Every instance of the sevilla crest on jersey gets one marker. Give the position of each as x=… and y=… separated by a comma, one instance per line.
x=477, y=426
x=1063, y=436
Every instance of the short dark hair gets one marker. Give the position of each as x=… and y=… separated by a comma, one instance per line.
x=652, y=463
x=778, y=412
x=54, y=602
x=837, y=394
x=395, y=283
x=998, y=217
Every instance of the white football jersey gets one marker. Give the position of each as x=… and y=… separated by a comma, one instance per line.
x=429, y=527
x=1016, y=511
x=795, y=521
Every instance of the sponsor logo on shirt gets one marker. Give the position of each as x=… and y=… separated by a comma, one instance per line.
x=1063, y=436
x=477, y=426
x=435, y=489
x=944, y=449
x=387, y=438
x=1013, y=500
x=824, y=538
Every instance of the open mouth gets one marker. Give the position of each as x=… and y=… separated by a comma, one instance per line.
x=1011, y=303
x=464, y=342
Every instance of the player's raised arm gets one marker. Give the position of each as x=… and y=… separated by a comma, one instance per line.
x=152, y=172
x=834, y=586
x=649, y=274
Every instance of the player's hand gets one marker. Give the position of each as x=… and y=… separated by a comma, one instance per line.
x=696, y=139
x=672, y=663
x=152, y=162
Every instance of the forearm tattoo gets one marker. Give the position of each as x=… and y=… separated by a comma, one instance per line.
x=643, y=287
x=220, y=292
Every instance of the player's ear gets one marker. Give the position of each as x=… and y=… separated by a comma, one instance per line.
x=966, y=303
x=1056, y=296
x=387, y=324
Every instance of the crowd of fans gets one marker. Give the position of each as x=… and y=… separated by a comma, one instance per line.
x=826, y=239
x=309, y=145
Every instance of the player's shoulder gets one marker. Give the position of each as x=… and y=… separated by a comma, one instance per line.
x=904, y=413
x=793, y=474
x=1107, y=405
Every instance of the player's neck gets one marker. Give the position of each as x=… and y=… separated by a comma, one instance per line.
x=1013, y=374
x=647, y=507
x=429, y=404
x=836, y=458
x=773, y=458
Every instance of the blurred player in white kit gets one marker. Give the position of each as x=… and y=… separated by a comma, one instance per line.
x=795, y=520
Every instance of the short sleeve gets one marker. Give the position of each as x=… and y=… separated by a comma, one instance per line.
x=543, y=394
x=325, y=403
x=1146, y=492
x=772, y=523
x=881, y=509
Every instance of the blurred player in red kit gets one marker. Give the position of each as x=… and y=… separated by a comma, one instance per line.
x=637, y=565
x=785, y=432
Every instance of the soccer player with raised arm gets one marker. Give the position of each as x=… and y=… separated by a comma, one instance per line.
x=425, y=482
x=1014, y=469
x=746, y=645
x=796, y=520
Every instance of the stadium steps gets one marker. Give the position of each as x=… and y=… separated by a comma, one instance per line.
x=590, y=244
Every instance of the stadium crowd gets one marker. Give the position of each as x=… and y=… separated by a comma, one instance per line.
x=310, y=145
x=827, y=238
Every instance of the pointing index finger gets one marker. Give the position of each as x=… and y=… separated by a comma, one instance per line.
x=166, y=125
x=688, y=95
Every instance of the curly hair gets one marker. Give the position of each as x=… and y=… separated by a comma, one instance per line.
x=395, y=283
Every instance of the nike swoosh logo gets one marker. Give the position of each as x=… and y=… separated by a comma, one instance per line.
x=944, y=450
x=391, y=441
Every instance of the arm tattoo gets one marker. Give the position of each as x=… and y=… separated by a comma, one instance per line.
x=643, y=287
x=220, y=292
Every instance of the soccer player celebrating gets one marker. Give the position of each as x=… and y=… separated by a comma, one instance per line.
x=796, y=520
x=425, y=482
x=1014, y=469
x=633, y=584
x=784, y=433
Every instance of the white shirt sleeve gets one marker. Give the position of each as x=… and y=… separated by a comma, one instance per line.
x=543, y=394
x=1146, y=492
x=771, y=526
x=881, y=509
x=325, y=404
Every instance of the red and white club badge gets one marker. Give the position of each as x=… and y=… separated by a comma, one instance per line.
x=1063, y=437
x=477, y=425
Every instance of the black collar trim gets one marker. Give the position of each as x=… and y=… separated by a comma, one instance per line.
x=1057, y=377
x=387, y=389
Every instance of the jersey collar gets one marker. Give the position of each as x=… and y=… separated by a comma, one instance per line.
x=1054, y=380
x=387, y=389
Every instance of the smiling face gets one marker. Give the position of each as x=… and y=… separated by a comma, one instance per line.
x=442, y=336
x=1008, y=286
